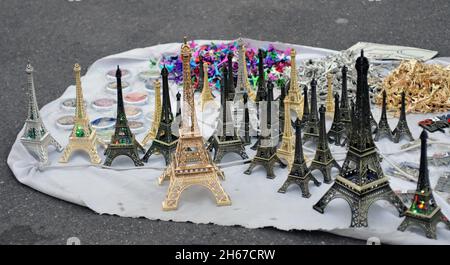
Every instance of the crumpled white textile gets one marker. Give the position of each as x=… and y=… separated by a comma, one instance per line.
x=255, y=201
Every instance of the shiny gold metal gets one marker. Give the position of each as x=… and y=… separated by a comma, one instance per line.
x=206, y=96
x=83, y=136
x=151, y=134
x=242, y=78
x=287, y=148
x=294, y=95
x=191, y=163
x=330, y=97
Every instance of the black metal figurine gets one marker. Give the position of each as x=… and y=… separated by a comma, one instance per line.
x=337, y=130
x=402, y=128
x=230, y=88
x=311, y=130
x=424, y=212
x=245, y=126
x=300, y=173
x=225, y=138
x=281, y=112
x=323, y=159
x=344, y=108
x=261, y=94
x=383, y=129
x=178, y=118
x=123, y=141
x=305, y=117
x=165, y=141
x=361, y=180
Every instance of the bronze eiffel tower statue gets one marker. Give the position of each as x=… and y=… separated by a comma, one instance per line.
x=83, y=136
x=323, y=159
x=402, y=129
x=337, y=131
x=266, y=152
x=299, y=173
x=225, y=138
x=230, y=88
x=123, y=141
x=361, y=180
x=36, y=138
x=311, y=130
x=383, y=129
x=261, y=94
x=191, y=163
x=178, y=118
x=344, y=108
x=305, y=116
x=424, y=212
x=245, y=126
x=165, y=141
x=282, y=108
x=200, y=74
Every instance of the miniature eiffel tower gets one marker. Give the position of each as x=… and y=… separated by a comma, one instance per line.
x=361, y=180
x=344, y=108
x=305, y=116
x=230, y=87
x=83, y=137
x=402, y=128
x=383, y=126
x=337, y=130
x=330, y=100
x=191, y=163
x=207, y=95
x=165, y=141
x=323, y=160
x=123, y=141
x=243, y=84
x=36, y=138
x=273, y=121
x=151, y=134
x=225, y=139
x=201, y=74
x=312, y=125
x=178, y=117
x=245, y=126
x=294, y=96
x=281, y=111
x=424, y=212
x=266, y=153
x=287, y=148
x=299, y=173
x=261, y=94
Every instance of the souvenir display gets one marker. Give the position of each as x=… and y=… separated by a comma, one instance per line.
x=299, y=172
x=36, y=138
x=424, y=211
x=123, y=141
x=164, y=142
x=361, y=180
x=191, y=164
x=83, y=136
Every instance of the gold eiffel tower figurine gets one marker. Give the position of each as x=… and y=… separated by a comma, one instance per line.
x=287, y=148
x=294, y=96
x=151, y=134
x=330, y=97
x=191, y=163
x=206, y=95
x=242, y=76
x=83, y=136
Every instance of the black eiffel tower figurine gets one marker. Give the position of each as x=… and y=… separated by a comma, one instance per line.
x=165, y=141
x=281, y=111
x=300, y=173
x=323, y=159
x=225, y=138
x=373, y=123
x=424, y=212
x=312, y=125
x=383, y=129
x=344, y=108
x=305, y=117
x=261, y=94
x=274, y=123
x=402, y=129
x=361, y=180
x=245, y=127
x=122, y=141
x=266, y=152
x=337, y=130
x=230, y=88
x=178, y=117
x=349, y=127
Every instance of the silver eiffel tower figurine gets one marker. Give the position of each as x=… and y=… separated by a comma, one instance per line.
x=36, y=138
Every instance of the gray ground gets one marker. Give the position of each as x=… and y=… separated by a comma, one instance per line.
x=56, y=33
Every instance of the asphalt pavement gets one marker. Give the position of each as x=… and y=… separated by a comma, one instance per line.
x=54, y=34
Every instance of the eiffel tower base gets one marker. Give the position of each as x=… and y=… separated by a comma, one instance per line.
x=325, y=169
x=114, y=151
x=159, y=147
x=427, y=223
x=383, y=132
x=268, y=164
x=88, y=145
x=360, y=202
x=221, y=148
x=301, y=182
x=39, y=148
